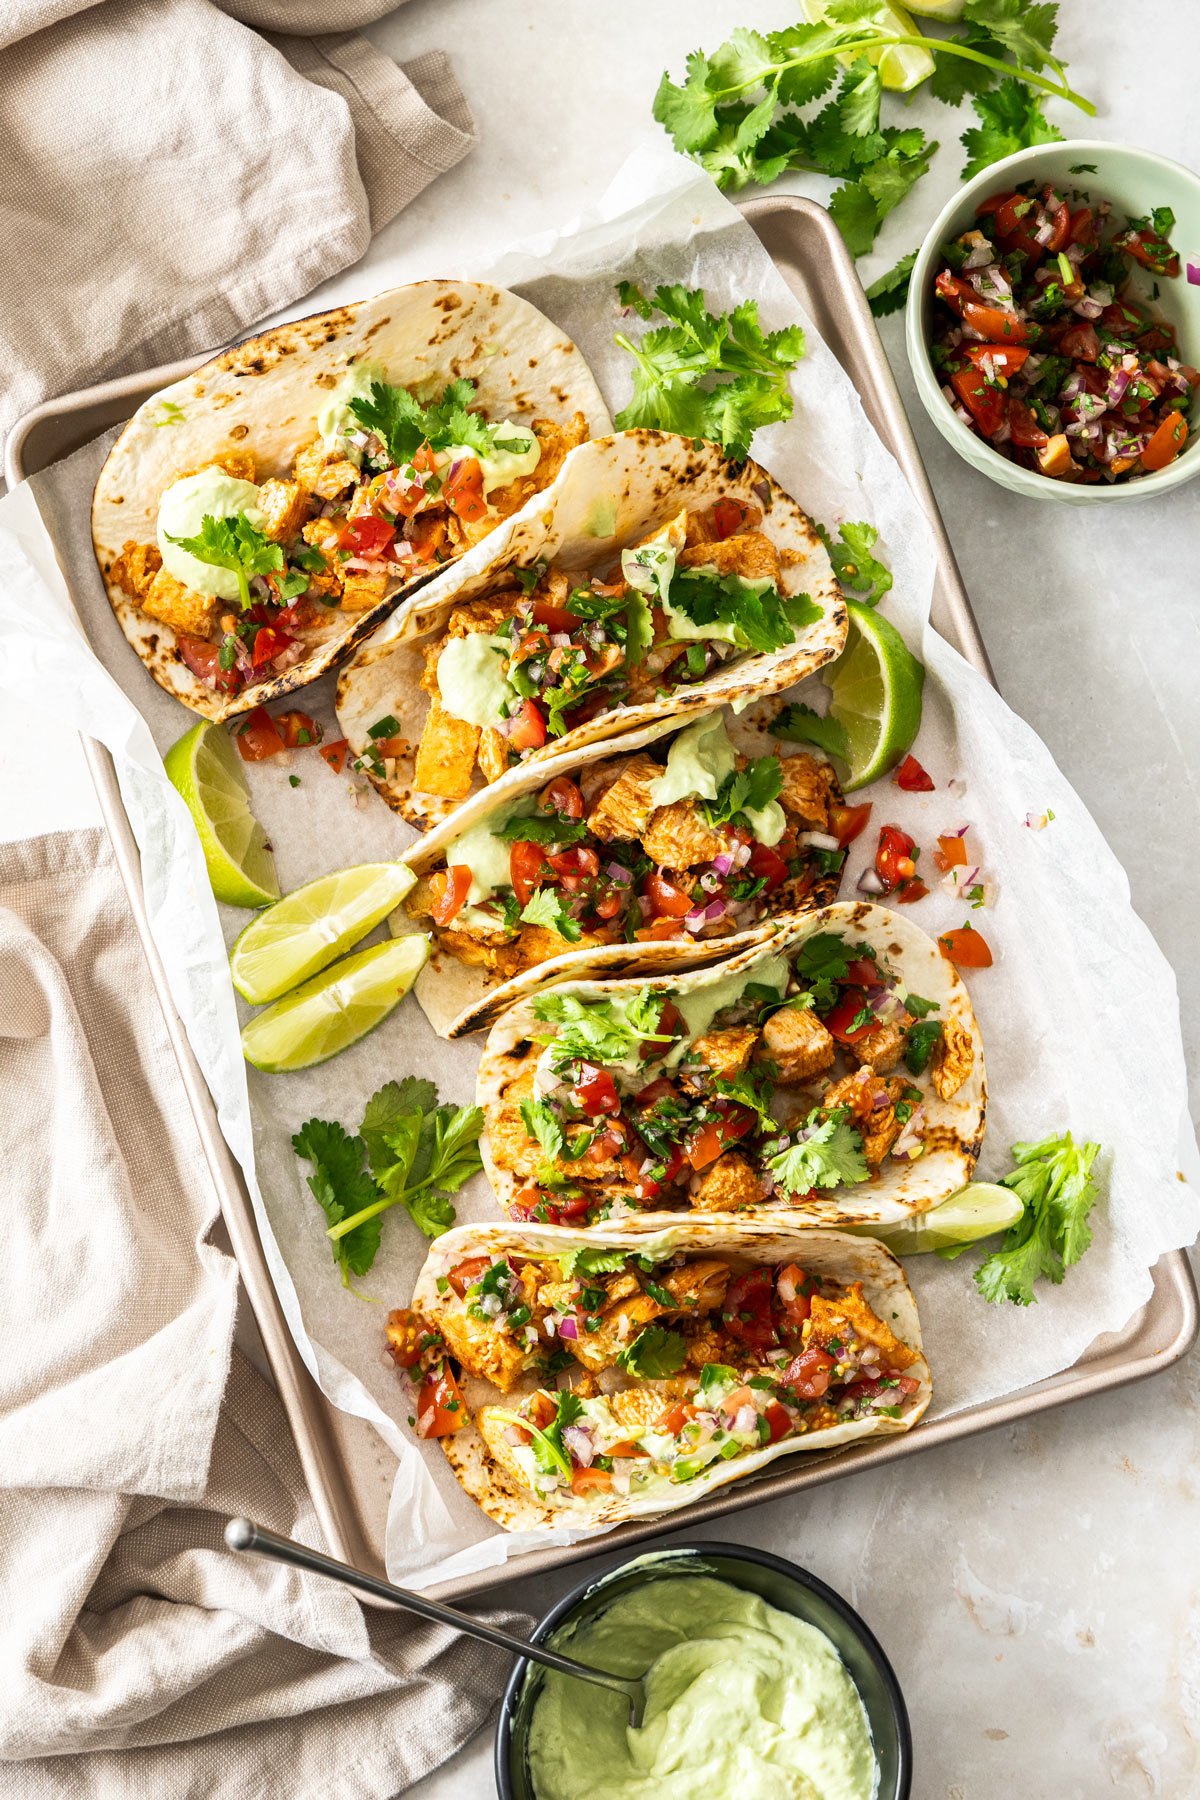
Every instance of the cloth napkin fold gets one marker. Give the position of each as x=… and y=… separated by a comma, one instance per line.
x=171, y=176
x=136, y=1653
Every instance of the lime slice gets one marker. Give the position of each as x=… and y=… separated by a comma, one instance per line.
x=311, y=926
x=901, y=66
x=335, y=1008
x=875, y=687
x=205, y=770
x=976, y=1211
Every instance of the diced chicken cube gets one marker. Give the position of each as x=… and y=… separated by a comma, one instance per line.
x=624, y=809
x=134, y=570
x=807, y=791
x=747, y=553
x=953, y=1059
x=599, y=1349
x=728, y=1186
x=872, y=1105
x=707, y=1346
x=679, y=837
x=795, y=1040
x=882, y=1047
x=702, y=526
x=727, y=1053
x=828, y=1320
x=182, y=608
x=493, y=754
x=445, y=759
x=360, y=590
x=698, y=1287
x=638, y=1409
x=284, y=506
x=320, y=471
x=483, y=1348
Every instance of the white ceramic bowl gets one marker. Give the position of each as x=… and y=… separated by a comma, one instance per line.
x=1135, y=181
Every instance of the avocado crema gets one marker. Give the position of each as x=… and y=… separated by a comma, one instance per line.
x=685, y=839
x=744, y=1702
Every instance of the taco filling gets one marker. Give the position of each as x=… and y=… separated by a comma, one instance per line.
x=546, y=649
x=679, y=843
x=251, y=576
x=783, y=1081
x=638, y=1372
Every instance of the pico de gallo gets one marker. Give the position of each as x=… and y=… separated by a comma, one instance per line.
x=802, y=1075
x=689, y=842
x=1047, y=342
x=703, y=1358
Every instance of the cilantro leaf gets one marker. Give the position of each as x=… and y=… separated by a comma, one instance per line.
x=1053, y=1180
x=763, y=619
x=541, y=1123
x=653, y=1354
x=384, y=1111
x=600, y=1030
x=1010, y=119
x=1026, y=31
x=544, y=907
x=541, y=828
x=920, y=1042
x=745, y=791
x=592, y=1262
x=888, y=294
x=823, y=960
x=235, y=544
x=954, y=77
x=830, y=1156
x=341, y=1186
x=404, y=424
x=799, y=724
x=860, y=207
x=867, y=578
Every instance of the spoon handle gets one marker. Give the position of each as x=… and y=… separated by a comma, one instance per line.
x=243, y=1534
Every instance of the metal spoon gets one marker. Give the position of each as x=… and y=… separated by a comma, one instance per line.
x=243, y=1534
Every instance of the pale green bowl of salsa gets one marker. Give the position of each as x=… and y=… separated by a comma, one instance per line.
x=1134, y=182
x=864, y=1675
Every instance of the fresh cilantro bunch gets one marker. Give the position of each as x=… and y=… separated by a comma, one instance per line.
x=830, y=1156
x=707, y=375
x=743, y=112
x=764, y=619
x=236, y=544
x=745, y=790
x=404, y=424
x=1054, y=1182
x=417, y=1154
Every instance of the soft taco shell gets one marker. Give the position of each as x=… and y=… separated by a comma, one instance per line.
x=458, y=997
x=610, y=494
x=953, y=1134
x=263, y=396
x=477, y=1453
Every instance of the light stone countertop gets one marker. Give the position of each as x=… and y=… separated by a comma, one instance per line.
x=1036, y=1589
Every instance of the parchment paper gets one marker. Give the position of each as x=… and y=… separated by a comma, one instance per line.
x=1079, y=1013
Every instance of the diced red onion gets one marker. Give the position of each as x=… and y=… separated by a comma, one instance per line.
x=560, y=639
x=1118, y=381
x=745, y=1420
x=710, y=881
x=455, y=466
x=817, y=840
x=763, y=492
x=1044, y=232
x=871, y=882
x=979, y=256
x=723, y=863
x=1002, y=432
x=1087, y=308
x=578, y=1440
x=881, y=1100
x=569, y=1328
x=742, y=855
x=617, y=873
x=1075, y=253
x=1193, y=274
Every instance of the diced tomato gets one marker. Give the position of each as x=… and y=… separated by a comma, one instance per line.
x=746, y=1309
x=1123, y=318
x=626, y=1447
x=335, y=754
x=1022, y=422
x=1081, y=341
x=527, y=868
x=1060, y=237
x=658, y=1089
x=767, y=865
x=609, y=905
x=1083, y=226
x=839, y=1023
x=808, y=1374
x=666, y=900
x=258, y=736
x=728, y=516
x=296, y=615
x=441, y=1408
x=779, y=1421
x=792, y=1302
x=596, y=1092
x=204, y=660
x=675, y=1418
x=1003, y=359
x=894, y=861
x=463, y=491
x=862, y=972
x=670, y=1024
x=967, y=948
x=585, y=1482
x=660, y=931
x=735, y=1399
x=871, y=1390
x=299, y=730
x=1147, y=249
x=908, y=891
x=647, y=1185
x=954, y=292
x=846, y=822
x=406, y=1331
x=913, y=778
x=366, y=535
x=994, y=202
x=997, y=326
x=984, y=402
x=449, y=889
x=951, y=853
x=574, y=866
x=528, y=728
x=533, y=1205
x=1168, y=440
x=563, y=796
x=554, y=618
x=717, y=1134
x=464, y=1274
x=268, y=644
x=389, y=746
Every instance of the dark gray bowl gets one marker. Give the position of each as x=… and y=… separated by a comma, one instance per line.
x=780, y=1584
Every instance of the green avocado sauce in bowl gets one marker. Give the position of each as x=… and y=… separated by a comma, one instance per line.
x=761, y=1684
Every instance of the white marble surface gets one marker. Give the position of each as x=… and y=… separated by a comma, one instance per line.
x=1037, y=1588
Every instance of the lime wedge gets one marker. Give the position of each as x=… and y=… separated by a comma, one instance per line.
x=205, y=770
x=901, y=66
x=335, y=1008
x=311, y=926
x=875, y=688
x=937, y=9
x=976, y=1211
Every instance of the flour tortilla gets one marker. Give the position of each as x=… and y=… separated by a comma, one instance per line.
x=954, y=1128
x=458, y=998
x=609, y=494
x=264, y=395
x=478, y=1453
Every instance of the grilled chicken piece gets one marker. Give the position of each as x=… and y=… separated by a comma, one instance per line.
x=360, y=590
x=872, y=1105
x=828, y=1320
x=702, y=528
x=638, y=1409
x=882, y=1047
x=624, y=809
x=698, y=1287
x=321, y=471
x=795, y=1040
x=747, y=553
x=807, y=791
x=284, y=507
x=727, y=1053
x=445, y=761
x=134, y=570
x=182, y=608
x=953, y=1059
x=728, y=1186
x=482, y=1350
x=678, y=836
x=618, y=1327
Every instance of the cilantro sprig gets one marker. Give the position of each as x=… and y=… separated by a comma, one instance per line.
x=1054, y=1182
x=829, y=1156
x=233, y=543
x=800, y=724
x=763, y=619
x=604, y=1031
x=416, y=1153
x=399, y=418
x=707, y=375
x=745, y=791
x=653, y=1354
x=866, y=578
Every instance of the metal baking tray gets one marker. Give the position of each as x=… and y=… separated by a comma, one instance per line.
x=348, y=1468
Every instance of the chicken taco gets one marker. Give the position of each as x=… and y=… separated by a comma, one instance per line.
x=590, y=1379
x=257, y=519
x=831, y=1075
x=673, y=845
x=653, y=579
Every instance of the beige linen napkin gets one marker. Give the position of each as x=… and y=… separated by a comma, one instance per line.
x=137, y=1655
x=170, y=176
